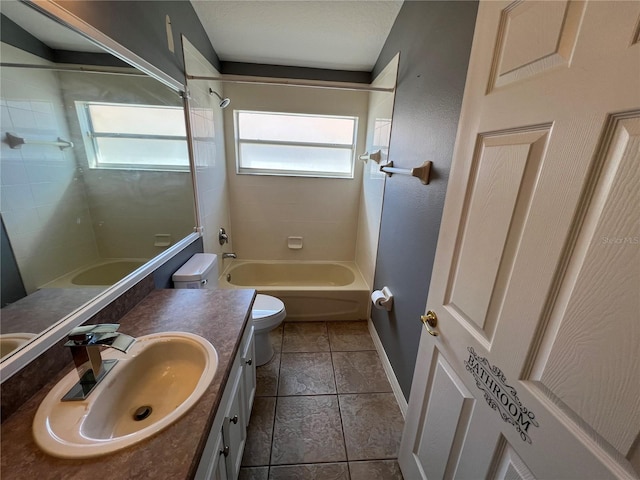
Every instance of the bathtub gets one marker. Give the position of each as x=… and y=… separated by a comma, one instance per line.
x=311, y=291
x=101, y=274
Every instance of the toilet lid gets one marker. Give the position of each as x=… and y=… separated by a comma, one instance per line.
x=266, y=306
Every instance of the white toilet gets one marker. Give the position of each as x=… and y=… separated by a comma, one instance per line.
x=201, y=271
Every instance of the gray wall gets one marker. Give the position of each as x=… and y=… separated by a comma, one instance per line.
x=140, y=26
x=12, y=288
x=434, y=40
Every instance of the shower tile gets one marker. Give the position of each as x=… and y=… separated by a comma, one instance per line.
x=359, y=372
x=349, y=336
x=316, y=471
x=306, y=374
x=307, y=430
x=260, y=432
x=305, y=337
x=254, y=473
x=376, y=470
x=372, y=425
x=267, y=377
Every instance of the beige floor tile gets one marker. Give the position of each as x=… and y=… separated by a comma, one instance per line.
x=375, y=470
x=306, y=374
x=317, y=471
x=305, y=337
x=359, y=372
x=349, y=336
x=307, y=430
x=372, y=425
x=254, y=473
x=267, y=377
x=259, y=433
x=275, y=336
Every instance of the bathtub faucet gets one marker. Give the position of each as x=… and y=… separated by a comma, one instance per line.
x=229, y=255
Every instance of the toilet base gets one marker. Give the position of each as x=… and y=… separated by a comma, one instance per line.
x=264, y=348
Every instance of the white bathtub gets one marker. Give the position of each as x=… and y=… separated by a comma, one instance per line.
x=310, y=290
x=102, y=273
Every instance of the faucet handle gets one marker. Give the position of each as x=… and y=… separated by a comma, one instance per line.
x=84, y=333
x=222, y=236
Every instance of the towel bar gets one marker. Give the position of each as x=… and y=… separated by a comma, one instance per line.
x=15, y=141
x=422, y=172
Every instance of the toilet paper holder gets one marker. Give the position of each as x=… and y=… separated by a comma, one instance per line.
x=382, y=299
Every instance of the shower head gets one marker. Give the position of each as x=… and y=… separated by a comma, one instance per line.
x=224, y=102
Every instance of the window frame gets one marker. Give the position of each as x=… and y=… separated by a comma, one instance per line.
x=295, y=172
x=89, y=137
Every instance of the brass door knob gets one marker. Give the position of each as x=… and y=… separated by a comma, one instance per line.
x=430, y=321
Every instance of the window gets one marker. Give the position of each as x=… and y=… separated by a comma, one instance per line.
x=295, y=144
x=143, y=137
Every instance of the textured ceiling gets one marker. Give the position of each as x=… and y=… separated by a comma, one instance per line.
x=339, y=35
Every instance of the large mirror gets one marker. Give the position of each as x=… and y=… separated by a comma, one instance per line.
x=94, y=167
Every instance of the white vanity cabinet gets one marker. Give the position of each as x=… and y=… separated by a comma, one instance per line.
x=223, y=451
x=248, y=376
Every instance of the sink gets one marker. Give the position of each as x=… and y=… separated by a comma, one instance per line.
x=12, y=341
x=161, y=377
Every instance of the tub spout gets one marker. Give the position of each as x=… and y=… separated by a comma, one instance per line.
x=229, y=255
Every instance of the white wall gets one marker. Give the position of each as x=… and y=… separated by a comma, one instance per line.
x=373, y=181
x=265, y=210
x=43, y=202
x=209, y=150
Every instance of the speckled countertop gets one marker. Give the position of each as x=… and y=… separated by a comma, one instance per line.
x=38, y=311
x=217, y=315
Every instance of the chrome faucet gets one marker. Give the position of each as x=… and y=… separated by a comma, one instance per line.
x=229, y=255
x=85, y=342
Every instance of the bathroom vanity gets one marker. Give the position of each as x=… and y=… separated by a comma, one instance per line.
x=207, y=442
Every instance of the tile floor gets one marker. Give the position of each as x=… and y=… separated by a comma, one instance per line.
x=324, y=409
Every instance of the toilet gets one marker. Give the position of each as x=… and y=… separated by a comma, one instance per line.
x=201, y=271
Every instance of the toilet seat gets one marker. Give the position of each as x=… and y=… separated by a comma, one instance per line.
x=267, y=312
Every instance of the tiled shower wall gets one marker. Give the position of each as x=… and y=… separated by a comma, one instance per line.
x=128, y=207
x=373, y=180
x=265, y=210
x=209, y=147
x=43, y=199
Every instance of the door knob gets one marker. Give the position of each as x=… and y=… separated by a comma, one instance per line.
x=430, y=321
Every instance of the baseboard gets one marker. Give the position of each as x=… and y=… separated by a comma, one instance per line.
x=386, y=364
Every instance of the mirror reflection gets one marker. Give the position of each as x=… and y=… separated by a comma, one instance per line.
x=95, y=174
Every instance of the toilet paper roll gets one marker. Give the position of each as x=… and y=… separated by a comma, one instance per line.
x=382, y=299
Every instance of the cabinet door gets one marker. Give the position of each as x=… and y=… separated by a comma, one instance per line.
x=234, y=431
x=249, y=375
x=218, y=468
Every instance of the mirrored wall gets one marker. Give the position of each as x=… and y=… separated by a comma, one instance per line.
x=94, y=169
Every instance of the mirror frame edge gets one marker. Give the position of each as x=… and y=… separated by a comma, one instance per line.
x=63, y=16
x=49, y=337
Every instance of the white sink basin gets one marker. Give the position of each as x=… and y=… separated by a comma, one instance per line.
x=167, y=372
x=12, y=341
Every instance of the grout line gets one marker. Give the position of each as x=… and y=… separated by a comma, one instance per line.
x=344, y=437
x=275, y=411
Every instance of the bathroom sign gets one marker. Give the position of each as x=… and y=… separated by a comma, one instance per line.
x=500, y=396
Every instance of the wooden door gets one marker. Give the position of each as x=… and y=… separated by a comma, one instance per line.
x=535, y=372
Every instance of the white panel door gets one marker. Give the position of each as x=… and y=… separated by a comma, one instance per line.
x=535, y=372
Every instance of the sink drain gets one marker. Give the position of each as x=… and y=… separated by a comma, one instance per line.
x=142, y=413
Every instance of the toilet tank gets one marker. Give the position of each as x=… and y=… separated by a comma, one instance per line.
x=200, y=271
